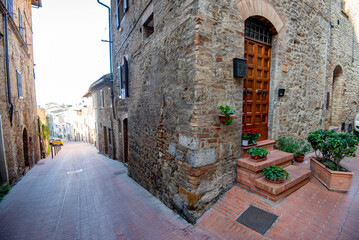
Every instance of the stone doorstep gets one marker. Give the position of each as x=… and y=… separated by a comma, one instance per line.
x=267, y=144
x=297, y=176
x=275, y=157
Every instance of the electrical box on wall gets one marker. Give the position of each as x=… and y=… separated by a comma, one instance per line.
x=239, y=67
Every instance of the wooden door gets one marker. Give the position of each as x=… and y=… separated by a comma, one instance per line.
x=125, y=140
x=256, y=87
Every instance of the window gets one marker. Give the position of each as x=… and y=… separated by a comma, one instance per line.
x=148, y=27
x=123, y=80
x=121, y=9
x=109, y=97
x=21, y=29
x=19, y=84
x=257, y=30
x=101, y=98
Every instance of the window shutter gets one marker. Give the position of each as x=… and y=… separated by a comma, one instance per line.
x=10, y=7
x=126, y=76
x=20, y=24
x=19, y=83
x=117, y=14
x=125, y=6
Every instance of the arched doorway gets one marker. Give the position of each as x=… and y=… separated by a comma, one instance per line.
x=257, y=49
x=336, y=97
x=25, y=144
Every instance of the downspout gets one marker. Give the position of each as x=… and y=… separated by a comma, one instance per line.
x=111, y=73
x=11, y=106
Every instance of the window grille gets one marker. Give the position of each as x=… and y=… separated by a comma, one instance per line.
x=256, y=30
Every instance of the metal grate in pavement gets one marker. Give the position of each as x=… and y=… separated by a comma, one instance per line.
x=257, y=219
x=40, y=163
x=120, y=172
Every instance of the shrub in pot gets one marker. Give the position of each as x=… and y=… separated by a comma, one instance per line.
x=227, y=115
x=300, y=149
x=275, y=174
x=330, y=148
x=258, y=153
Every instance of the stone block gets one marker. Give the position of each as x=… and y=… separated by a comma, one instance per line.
x=201, y=158
x=189, y=142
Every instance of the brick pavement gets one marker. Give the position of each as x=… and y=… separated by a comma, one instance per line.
x=312, y=212
x=57, y=200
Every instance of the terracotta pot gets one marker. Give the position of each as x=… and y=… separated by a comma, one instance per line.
x=275, y=181
x=258, y=159
x=223, y=118
x=299, y=159
x=333, y=180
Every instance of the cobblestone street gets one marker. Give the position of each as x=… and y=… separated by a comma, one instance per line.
x=83, y=195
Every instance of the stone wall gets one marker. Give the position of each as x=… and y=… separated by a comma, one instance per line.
x=183, y=72
x=25, y=110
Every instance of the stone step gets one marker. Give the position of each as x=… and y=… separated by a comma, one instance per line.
x=274, y=191
x=249, y=170
x=275, y=157
x=267, y=144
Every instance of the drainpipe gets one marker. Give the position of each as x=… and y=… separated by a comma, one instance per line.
x=111, y=73
x=11, y=106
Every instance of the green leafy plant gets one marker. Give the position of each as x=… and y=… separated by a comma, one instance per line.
x=228, y=113
x=290, y=145
x=275, y=173
x=257, y=151
x=331, y=147
x=301, y=148
x=4, y=190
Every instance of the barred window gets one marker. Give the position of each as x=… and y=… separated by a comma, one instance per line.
x=257, y=30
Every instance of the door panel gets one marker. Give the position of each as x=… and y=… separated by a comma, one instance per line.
x=256, y=87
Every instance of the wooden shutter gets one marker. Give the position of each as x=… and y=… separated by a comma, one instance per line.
x=126, y=76
x=20, y=24
x=10, y=7
x=117, y=14
x=19, y=83
x=125, y=6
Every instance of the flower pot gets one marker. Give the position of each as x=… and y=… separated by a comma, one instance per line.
x=245, y=142
x=223, y=118
x=258, y=158
x=275, y=180
x=333, y=180
x=299, y=159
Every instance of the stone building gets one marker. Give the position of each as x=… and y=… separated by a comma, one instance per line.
x=100, y=92
x=173, y=68
x=19, y=142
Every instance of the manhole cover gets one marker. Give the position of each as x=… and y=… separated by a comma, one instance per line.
x=257, y=219
x=120, y=172
x=76, y=171
x=40, y=163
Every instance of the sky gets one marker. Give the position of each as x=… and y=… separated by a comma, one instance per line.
x=68, y=52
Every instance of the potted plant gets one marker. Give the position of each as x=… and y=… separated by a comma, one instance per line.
x=227, y=115
x=258, y=154
x=250, y=135
x=300, y=149
x=290, y=145
x=330, y=148
x=275, y=174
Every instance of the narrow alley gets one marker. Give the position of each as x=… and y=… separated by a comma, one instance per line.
x=81, y=194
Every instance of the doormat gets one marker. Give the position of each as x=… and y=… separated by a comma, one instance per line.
x=257, y=219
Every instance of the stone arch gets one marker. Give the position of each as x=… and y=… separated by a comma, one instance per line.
x=336, y=97
x=250, y=8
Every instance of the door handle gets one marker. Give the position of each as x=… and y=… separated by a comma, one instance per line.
x=246, y=92
x=263, y=93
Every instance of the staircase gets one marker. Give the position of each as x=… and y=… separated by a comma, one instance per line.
x=250, y=173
